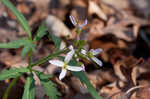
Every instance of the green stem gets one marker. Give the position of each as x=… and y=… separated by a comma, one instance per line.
x=29, y=60
x=29, y=57
x=45, y=59
x=9, y=88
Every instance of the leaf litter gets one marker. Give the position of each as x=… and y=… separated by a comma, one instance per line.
x=120, y=28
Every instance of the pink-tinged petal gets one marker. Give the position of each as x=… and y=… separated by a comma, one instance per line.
x=83, y=51
x=96, y=51
x=74, y=68
x=73, y=20
x=96, y=60
x=62, y=74
x=85, y=22
x=80, y=26
x=57, y=63
x=69, y=56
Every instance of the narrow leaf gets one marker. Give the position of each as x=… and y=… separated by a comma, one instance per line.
x=84, y=80
x=21, y=19
x=25, y=50
x=49, y=86
x=56, y=40
x=13, y=44
x=29, y=89
x=12, y=73
x=40, y=32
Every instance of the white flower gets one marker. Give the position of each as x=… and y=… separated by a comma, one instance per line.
x=91, y=54
x=64, y=64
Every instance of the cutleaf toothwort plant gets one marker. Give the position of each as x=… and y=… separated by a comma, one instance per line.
x=73, y=54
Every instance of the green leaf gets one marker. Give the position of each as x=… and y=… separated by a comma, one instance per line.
x=49, y=86
x=42, y=75
x=40, y=32
x=21, y=19
x=56, y=40
x=12, y=73
x=84, y=80
x=25, y=50
x=29, y=89
x=27, y=47
x=13, y=44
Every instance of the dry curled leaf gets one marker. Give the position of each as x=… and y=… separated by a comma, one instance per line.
x=95, y=9
x=53, y=23
x=98, y=78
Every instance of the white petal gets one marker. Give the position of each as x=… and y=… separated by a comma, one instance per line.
x=62, y=74
x=57, y=63
x=96, y=51
x=71, y=48
x=73, y=20
x=83, y=67
x=75, y=68
x=69, y=56
x=83, y=51
x=96, y=60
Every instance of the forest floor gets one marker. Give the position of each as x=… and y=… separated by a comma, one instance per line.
x=120, y=27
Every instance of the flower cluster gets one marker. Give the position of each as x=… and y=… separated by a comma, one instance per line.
x=76, y=53
x=65, y=66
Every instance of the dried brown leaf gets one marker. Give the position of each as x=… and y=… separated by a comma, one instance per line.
x=95, y=9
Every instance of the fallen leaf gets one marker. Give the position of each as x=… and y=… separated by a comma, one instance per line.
x=95, y=9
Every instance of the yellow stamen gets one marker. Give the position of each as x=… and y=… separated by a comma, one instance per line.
x=65, y=66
